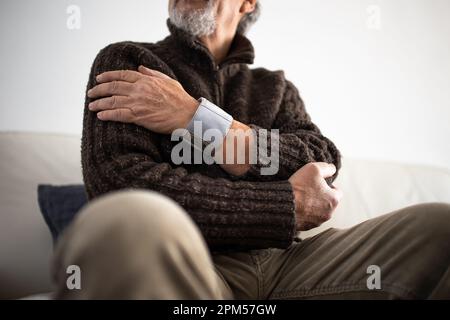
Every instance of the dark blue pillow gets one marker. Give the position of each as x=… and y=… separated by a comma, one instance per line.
x=59, y=205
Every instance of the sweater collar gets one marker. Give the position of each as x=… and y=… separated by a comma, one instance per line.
x=241, y=50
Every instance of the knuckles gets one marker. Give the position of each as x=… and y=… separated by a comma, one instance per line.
x=113, y=87
x=313, y=168
x=334, y=201
x=123, y=74
x=113, y=102
x=144, y=85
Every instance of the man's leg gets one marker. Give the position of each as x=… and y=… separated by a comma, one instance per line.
x=136, y=245
x=411, y=247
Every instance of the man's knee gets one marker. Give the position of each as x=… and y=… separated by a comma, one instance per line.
x=128, y=216
x=432, y=220
x=136, y=238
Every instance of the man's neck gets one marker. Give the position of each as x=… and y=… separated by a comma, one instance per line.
x=218, y=44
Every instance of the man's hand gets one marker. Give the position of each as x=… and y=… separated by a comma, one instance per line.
x=315, y=201
x=147, y=98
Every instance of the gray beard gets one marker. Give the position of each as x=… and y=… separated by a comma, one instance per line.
x=199, y=23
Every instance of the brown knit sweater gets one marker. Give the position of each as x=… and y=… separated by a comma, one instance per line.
x=232, y=213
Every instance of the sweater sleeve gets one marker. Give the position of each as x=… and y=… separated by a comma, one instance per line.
x=231, y=215
x=299, y=141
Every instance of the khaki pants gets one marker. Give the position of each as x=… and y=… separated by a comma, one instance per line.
x=141, y=245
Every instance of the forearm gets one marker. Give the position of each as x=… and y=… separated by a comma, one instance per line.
x=270, y=154
x=234, y=153
x=294, y=150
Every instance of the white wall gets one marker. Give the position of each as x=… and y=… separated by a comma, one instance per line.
x=380, y=88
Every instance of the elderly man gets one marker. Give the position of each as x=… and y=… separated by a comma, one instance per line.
x=223, y=229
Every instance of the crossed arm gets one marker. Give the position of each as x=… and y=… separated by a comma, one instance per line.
x=153, y=100
x=124, y=121
x=158, y=103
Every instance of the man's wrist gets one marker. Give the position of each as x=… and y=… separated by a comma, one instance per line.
x=209, y=116
x=191, y=108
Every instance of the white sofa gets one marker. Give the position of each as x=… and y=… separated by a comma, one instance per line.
x=371, y=188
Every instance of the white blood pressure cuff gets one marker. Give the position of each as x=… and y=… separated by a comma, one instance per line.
x=208, y=116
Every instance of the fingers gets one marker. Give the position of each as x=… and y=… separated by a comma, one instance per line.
x=119, y=75
x=129, y=75
x=120, y=88
x=326, y=170
x=153, y=73
x=120, y=115
x=110, y=103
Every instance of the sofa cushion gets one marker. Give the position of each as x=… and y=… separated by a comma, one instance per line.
x=59, y=205
x=26, y=160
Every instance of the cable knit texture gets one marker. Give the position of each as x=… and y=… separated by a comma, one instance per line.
x=233, y=213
